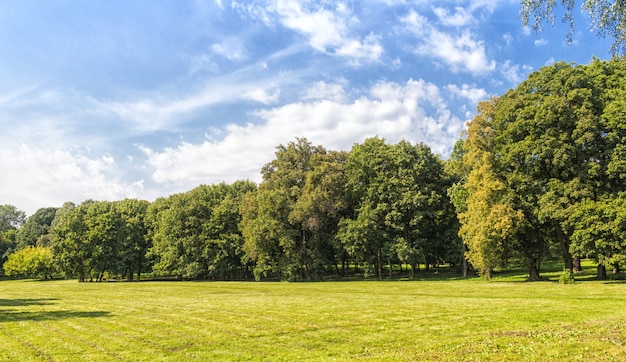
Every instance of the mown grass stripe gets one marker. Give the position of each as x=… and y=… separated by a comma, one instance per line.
x=431, y=320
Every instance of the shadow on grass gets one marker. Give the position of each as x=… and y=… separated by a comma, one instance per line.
x=25, y=302
x=17, y=316
x=14, y=312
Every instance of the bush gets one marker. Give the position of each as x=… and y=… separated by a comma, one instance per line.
x=567, y=277
x=31, y=262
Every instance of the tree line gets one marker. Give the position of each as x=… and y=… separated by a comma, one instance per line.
x=538, y=175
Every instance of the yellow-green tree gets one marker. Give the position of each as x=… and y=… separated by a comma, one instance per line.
x=30, y=262
x=489, y=224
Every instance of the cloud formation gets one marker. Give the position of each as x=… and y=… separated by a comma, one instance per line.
x=326, y=26
x=53, y=176
x=163, y=96
x=460, y=51
x=390, y=110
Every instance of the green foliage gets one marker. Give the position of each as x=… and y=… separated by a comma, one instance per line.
x=547, y=150
x=100, y=237
x=11, y=218
x=30, y=262
x=196, y=234
x=289, y=225
x=567, y=277
x=608, y=17
x=34, y=232
x=401, y=208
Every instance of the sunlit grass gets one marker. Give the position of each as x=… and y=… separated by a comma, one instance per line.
x=370, y=320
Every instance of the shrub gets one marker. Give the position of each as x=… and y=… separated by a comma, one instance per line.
x=567, y=277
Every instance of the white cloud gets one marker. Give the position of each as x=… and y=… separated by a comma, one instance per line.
x=326, y=91
x=167, y=108
x=261, y=95
x=460, y=17
x=488, y=5
x=34, y=176
x=508, y=38
x=391, y=110
x=230, y=48
x=327, y=29
x=472, y=93
x=461, y=51
x=540, y=42
x=514, y=73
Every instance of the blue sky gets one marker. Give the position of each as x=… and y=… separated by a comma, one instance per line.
x=114, y=99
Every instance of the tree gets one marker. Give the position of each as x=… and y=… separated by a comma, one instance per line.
x=11, y=218
x=600, y=231
x=196, y=234
x=71, y=248
x=34, y=232
x=490, y=222
x=287, y=225
x=457, y=171
x=30, y=262
x=554, y=143
x=133, y=236
x=319, y=209
x=608, y=17
x=401, y=209
x=224, y=251
x=10, y=221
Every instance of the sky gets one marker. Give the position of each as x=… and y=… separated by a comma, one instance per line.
x=115, y=99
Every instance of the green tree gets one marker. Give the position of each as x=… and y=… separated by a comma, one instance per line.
x=105, y=235
x=34, y=232
x=600, y=231
x=71, y=249
x=11, y=219
x=490, y=222
x=224, y=250
x=457, y=171
x=196, y=234
x=134, y=237
x=288, y=225
x=30, y=262
x=554, y=142
x=608, y=17
x=401, y=209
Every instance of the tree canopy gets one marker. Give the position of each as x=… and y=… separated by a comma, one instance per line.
x=544, y=151
x=608, y=17
x=539, y=174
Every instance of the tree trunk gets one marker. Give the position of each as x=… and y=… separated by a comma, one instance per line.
x=488, y=273
x=413, y=271
x=390, y=269
x=616, y=268
x=533, y=271
x=379, y=265
x=564, y=243
x=576, y=265
x=601, y=272
x=464, y=267
x=139, y=264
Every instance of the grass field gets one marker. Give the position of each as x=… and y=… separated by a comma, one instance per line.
x=438, y=320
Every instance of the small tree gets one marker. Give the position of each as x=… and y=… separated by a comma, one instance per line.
x=30, y=262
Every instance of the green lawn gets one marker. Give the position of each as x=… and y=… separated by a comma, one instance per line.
x=473, y=320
